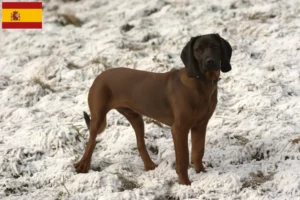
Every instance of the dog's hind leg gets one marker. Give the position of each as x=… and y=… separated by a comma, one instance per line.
x=137, y=124
x=97, y=125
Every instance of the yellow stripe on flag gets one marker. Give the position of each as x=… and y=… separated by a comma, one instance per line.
x=26, y=15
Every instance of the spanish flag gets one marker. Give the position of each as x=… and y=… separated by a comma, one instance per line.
x=22, y=15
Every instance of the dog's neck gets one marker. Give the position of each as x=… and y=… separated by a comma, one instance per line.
x=209, y=77
x=205, y=87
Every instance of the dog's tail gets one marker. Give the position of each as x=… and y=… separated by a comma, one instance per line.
x=87, y=119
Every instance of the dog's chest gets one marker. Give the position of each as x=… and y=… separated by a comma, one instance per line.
x=204, y=111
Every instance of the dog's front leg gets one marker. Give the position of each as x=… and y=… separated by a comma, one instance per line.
x=198, y=146
x=180, y=138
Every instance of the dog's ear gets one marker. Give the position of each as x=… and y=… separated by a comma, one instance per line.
x=188, y=59
x=226, y=52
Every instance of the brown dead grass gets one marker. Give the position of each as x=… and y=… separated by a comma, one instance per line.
x=242, y=139
x=295, y=141
x=68, y=18
x=38, y=81
x=72, y=65
x=102, y=60
x=149, y=120
x=127, y=184
x=131, y=46
x=257, y=179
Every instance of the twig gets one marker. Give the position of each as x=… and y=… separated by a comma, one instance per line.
x=65, y=186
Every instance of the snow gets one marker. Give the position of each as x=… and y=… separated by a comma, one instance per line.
x=253, y=138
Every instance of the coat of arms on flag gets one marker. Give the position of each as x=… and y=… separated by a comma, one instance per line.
x=22, y=15
x=15, y=16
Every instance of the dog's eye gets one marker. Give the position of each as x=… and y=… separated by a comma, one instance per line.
x=199, y=49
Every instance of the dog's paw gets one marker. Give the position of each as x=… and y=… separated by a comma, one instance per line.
x=150, y=167
x=185, y=182
x=200, y=169
x=82, y=166
x=198, y=165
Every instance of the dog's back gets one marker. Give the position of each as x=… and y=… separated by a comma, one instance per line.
x=135, y=89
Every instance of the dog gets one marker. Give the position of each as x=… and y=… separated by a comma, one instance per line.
x=183, y=99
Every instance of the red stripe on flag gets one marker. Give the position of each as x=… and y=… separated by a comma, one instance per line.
x=22, y=25
x=20, y=5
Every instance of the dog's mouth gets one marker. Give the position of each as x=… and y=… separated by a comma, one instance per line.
x=210, y=69
x=214, y=69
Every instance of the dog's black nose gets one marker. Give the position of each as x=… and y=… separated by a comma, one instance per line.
x=210, y=61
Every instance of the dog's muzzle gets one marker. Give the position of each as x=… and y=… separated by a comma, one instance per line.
x=211, y=65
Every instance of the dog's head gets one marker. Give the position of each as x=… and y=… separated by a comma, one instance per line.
x=206, y=53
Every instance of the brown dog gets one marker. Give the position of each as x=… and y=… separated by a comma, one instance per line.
x=184, y=99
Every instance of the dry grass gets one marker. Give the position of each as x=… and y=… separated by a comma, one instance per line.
x=59, y=196
x=103, y=61
x=257, y=179
x=96, y=61
x=149, y=120
x=71, y=65
x=243, y=140
x=38, y=81
x=131, y=46
x=150, y=36
x=127, y=184
x=255, y=16
x=68, y=18
x=78, y=132
x=260, y=16
x=295, y=141
x=63, y=183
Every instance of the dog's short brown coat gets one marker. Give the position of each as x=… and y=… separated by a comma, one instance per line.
x=183, y=99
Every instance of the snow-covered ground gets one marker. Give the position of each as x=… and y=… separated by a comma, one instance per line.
x=253, y=139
